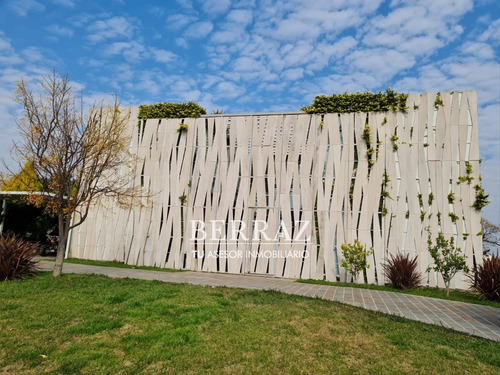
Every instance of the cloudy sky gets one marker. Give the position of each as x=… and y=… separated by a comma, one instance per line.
x=258, y=55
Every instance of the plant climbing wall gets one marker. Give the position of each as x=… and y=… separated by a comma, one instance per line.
x=384, y=178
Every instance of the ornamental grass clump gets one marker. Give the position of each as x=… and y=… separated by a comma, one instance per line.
x=486, y=281
x=16, y=258
x=402, y=271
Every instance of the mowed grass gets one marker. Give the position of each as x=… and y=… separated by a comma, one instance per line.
x=92, y=324
x=455, y=295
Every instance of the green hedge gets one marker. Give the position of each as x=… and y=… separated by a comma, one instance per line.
x=171, y=110
x=389, y=100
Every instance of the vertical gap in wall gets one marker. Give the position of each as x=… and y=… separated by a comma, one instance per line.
x=359, y=213
x=398, y=174
x=451, y=207
x=316, y=226
x=143, y=129
x=389, y=231
x=169, y=248
x=434, y=122
x=266, y=185
x=325, y=166
x=407, y=223
x=179, y=135
x=372, y=234
x=335, y=253
x=238, y=183
x=381, y=201
x=426, y=144
x=214, y=131
x=343, y=212
x=420, y=202
x=228, y=141
x=171, y=155
x=161, y=221
x=299, y=164
x=214, y=180
x=206, y=134
x=142, y=173
x=469, y=135
x=182, y=227
x=353, y=177
x=341, y=135
x=193, y=163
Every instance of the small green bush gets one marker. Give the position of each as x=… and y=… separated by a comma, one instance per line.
x=171, y=110
x=448, y=259
x=389, y=100
x=16, y=258
x=355, y=258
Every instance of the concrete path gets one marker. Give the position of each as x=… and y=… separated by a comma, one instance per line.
x=477, y=320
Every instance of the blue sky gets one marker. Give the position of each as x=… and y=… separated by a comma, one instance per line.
x=256, y=56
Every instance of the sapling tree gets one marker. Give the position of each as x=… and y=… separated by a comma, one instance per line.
x=76, y=156
x=355, y=258
x=448, y=259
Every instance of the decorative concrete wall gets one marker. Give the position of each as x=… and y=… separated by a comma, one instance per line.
x=297, y=173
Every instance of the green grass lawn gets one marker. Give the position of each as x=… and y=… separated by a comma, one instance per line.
x=97, y=325
x=455, y=295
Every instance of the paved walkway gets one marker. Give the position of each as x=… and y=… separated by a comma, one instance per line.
x=478, y=320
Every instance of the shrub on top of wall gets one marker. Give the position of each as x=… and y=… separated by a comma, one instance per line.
x=171, y=110
x=389, y=100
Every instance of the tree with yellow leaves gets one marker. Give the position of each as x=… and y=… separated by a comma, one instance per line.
x=76, y=156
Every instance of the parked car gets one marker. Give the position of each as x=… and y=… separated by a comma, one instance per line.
x=49, y=246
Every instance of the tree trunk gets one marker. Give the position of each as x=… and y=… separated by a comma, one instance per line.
x=447, y=289
x=61, y=248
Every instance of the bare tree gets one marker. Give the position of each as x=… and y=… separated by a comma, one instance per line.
x=79, y=156
x=491, y=236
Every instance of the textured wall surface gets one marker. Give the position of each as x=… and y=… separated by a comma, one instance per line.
x=296, y=169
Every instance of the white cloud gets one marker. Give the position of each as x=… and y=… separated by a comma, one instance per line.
x=181, y=42
x=65, y=3
x=23, y=7
x=198, y=30
x=293, y=74
x=8, y=57
x=114, y=27
x=383, y=64
x=215, y=6
x=479, y=50
x=161, y=55
x=179, y=21
x=228, y=90
x=131, y=51
x=242, y=17
x=33, y=54
x=60, y=30
x=492, y=34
